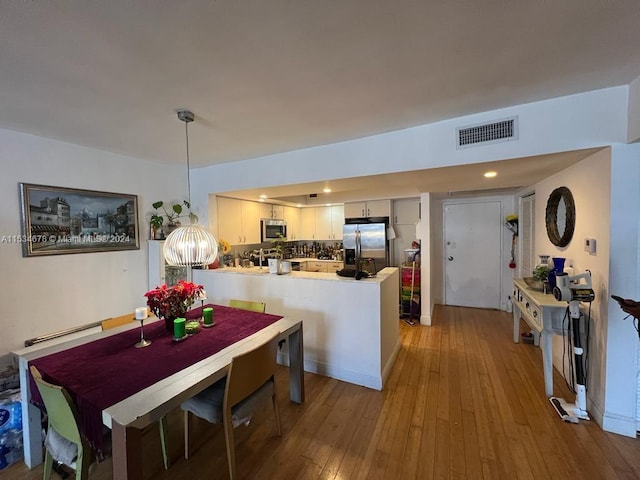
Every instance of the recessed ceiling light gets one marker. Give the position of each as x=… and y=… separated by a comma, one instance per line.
x=490, y=174
x=326, y=190
x=263, y=196
x=298, y=205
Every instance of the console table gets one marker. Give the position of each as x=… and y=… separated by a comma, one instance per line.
x=545, y=315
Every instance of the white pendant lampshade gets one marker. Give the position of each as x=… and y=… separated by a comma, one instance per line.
x=191, y=245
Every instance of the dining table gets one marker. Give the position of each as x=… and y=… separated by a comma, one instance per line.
x=116, y=385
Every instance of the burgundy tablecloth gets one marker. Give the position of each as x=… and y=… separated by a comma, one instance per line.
x=104, y=372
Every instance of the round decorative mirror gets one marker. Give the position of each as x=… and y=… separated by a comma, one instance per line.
x=560, y=216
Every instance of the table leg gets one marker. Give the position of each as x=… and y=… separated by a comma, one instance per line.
x=516, y=324
x=296, y=366
x=31, y=421
x=547, y=362
x=127, y=452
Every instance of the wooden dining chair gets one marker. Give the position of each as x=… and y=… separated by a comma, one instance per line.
x=122, y=320
x=231, y=400
x=113, y=322
x=259, y=307
x=63, y=419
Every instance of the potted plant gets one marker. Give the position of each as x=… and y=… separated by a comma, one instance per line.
x=172, y=213
x=275, y=264
x=172, y=302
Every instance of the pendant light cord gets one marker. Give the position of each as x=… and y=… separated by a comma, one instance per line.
x=186, y=134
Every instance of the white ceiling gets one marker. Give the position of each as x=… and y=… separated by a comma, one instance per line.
x=271, y=76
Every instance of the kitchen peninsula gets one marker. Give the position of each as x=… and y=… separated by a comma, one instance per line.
x=351, y=329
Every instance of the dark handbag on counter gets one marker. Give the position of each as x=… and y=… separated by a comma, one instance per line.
x=348, y=272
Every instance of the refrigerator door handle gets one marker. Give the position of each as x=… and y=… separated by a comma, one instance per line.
x=358, y=249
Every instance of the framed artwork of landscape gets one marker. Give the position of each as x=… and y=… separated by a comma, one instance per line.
x=58, y=220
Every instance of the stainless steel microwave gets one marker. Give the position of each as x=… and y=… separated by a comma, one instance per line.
x=271, y=229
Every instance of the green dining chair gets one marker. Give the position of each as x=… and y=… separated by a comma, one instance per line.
x=259, y=307
x=63, y=419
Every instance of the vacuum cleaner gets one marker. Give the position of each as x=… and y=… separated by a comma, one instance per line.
x=572, y=290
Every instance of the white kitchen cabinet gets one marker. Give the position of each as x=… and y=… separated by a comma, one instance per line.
x=324, y=228
x=161, y=273
x=307, y=223
x=268, y=210
x=337, y=221
x=238, y=221
x=229, y=220
x=372, y=208
x=322, y=223
x=321, y=266
x=291, y=216
x=406, y=211
x=250, y=222
x=333, y=267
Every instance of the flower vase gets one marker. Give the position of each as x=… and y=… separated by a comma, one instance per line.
x=558, y=267
x=168, y=323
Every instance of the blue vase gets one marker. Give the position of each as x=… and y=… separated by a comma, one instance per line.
x=558, y=267
x=558, y=264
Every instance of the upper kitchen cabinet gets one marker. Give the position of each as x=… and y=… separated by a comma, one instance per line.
x=238, y=221
x=322, y=223
x=268, y=210
x=373, y=208
x=292, y=218
x=406, y=211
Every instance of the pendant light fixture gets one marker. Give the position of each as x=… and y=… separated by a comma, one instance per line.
x=191, y=245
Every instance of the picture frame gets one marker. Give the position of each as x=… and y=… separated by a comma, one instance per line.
x=61, y=220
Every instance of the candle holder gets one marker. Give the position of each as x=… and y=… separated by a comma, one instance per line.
x=143, y=342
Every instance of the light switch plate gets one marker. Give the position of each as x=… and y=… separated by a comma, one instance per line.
x=590, y=245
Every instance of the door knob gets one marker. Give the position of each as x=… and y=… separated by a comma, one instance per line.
x=450, y=258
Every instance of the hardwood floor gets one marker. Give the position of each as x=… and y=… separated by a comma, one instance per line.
x=462, y=401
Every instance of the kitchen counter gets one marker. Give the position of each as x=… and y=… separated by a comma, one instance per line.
x=351, y=327
x=333, y=277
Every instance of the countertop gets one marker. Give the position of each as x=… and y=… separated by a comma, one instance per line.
x=310, y=259
x=380, y=277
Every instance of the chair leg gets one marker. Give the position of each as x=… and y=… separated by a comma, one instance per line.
x=48, y=465
x=186, y=435
x=276, y=411
x=163, y=441
x=83, y=462
x=228, y=437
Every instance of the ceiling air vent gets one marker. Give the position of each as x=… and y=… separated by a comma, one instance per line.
x=487, y=133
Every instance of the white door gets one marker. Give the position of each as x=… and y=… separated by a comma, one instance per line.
x=472, y=237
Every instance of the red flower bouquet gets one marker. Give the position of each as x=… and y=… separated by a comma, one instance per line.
x=172, y=302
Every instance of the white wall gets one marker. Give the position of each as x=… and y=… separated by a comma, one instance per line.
x=621, y=345
x=633, y=134
x=40, y=295
x=592, y=119
x=589, y=182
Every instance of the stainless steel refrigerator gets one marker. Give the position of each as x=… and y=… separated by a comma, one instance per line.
x=365, y=247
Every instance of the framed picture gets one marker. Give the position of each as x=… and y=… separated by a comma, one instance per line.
x=57, y=220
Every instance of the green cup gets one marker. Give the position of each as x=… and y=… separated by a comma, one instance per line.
x=179, y=328
x=207, y=316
